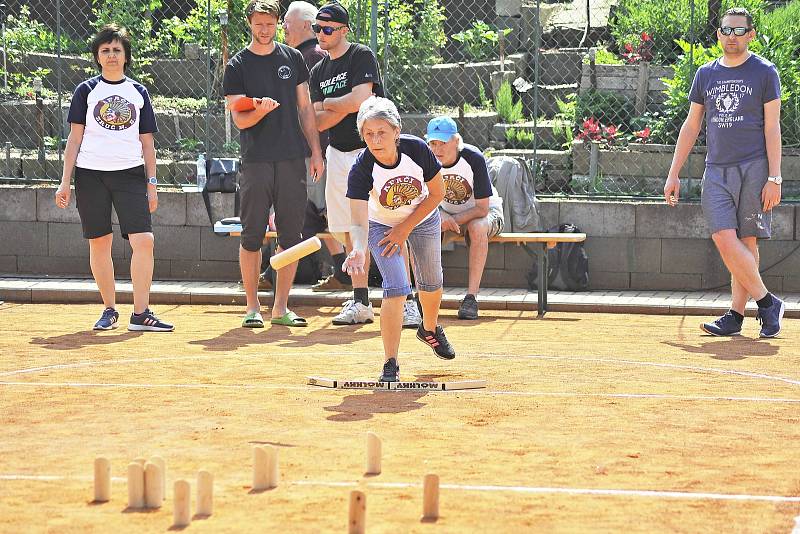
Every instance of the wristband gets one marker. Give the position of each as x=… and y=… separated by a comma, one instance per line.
x=152, y=180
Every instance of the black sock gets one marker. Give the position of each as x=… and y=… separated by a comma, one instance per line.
x=738, y=316
x=410, y=296
x=766, y=302
x=361, y=294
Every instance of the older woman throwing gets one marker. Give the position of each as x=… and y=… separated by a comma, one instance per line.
x=394, y=189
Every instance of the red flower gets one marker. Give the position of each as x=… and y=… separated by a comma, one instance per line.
x=643, y=135
x=646, y=37
x=611, y=131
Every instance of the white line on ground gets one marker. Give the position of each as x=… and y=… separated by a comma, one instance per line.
x=567, y=491
x=457, y=392
x=472, y=487
x=690, y=368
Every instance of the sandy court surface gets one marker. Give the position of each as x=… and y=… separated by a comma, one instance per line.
x=590, y=422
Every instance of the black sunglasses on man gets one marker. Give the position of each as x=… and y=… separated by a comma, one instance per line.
x=727, y=30
x=327, y=30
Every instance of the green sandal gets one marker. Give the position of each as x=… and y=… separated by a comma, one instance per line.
x=253, y=320
x=290, y=318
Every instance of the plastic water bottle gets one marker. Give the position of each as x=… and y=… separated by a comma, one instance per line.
x=201, y=172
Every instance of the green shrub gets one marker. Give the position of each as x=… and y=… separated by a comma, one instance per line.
x=480, y=42
x=510, y=111
x=667, y=21
x=416, y=36
x=26, y=34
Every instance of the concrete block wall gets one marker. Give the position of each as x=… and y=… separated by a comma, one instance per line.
x=631, y=245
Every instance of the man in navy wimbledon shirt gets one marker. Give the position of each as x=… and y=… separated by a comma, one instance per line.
x=739, y=95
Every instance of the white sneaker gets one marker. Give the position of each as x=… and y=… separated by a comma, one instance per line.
x=411, y=315
x=354, y=313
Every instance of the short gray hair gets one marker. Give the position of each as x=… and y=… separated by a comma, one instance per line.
x=306, y=11
x=376, y=107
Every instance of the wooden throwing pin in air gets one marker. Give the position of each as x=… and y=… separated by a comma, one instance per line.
x=295, y=253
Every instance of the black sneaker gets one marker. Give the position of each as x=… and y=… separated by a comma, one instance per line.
x=108, y=320
x=468, y=308
x=727, y=325
x=770, y=318
x=148, y=322
x=391, y=371
x=437, y=341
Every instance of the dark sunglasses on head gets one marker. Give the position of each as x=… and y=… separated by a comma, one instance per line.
x=327, y=30
x=738, y=31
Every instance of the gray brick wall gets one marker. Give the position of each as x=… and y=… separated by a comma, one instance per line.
x=631, y=245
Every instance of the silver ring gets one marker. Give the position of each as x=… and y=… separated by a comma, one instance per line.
x=397, y=245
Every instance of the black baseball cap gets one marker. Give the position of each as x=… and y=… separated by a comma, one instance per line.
x=334, y=12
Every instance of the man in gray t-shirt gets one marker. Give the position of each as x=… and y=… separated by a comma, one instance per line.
x=739, y=95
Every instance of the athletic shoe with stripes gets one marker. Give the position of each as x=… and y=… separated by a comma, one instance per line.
x=108, y=320
x=437, y=341
x=148, y=322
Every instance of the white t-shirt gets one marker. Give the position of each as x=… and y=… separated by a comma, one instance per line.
x=114, y=114
x=394, y=192
x=466, y=180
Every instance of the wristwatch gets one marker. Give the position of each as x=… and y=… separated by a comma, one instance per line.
x=152, y=180
x=775, y=179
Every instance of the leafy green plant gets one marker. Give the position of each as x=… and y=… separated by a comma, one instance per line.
x=415, y=38
x=484, y=100
x=604, y=56
x=609, y=107
x=564, y=120
x=520, y=138
x=480, y=41
x=189, y=144
x=231, y=148
x=510, y=111
x=23, y=33
x=21, y=85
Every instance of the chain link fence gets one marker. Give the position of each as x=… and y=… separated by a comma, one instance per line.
x=590, y=93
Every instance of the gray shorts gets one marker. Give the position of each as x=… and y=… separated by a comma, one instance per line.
x=495, y=221
x=731, y=198
x=275, y=184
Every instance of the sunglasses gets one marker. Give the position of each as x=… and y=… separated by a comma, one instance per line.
x=738, y=31
x=327, y=30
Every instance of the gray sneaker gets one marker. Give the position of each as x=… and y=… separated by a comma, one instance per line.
x=354, y=313
x=468, y=308
x=411, y=315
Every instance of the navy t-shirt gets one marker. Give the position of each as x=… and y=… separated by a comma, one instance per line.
x=394, y=192
x=278, y=135
x=734, y=99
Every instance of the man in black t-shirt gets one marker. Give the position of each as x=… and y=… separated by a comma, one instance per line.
x=275, y=140
x=339, y=84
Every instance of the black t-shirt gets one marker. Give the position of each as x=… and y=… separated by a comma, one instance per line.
x=278, y=135
x=331, y=78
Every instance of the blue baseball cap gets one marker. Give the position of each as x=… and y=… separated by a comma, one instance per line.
x=441, y=129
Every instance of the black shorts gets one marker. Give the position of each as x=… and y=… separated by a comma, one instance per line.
x=126, y=190
x=275, y=184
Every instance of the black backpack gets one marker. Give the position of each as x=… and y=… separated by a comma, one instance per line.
x=568, y=264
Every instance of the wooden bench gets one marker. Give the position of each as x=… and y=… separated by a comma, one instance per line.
x=547, y=240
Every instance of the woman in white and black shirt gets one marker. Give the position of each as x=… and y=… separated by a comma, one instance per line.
x=395, y=187
x=110, y=148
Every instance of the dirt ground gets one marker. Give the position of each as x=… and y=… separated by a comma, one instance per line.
x=590, y=423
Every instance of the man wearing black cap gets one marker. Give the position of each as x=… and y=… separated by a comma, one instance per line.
x=339, y=84
x=275, y=138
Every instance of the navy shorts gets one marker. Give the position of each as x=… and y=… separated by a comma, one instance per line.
x=731, y=198
x=126, y=190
